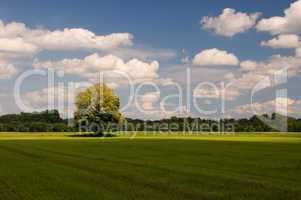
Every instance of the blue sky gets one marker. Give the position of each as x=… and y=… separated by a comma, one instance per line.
x=166, y=32
x=158, y=24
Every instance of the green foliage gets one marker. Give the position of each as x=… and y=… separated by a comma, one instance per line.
x=46, y=121
x=262, y=123
x=48, y=116
x=110, y=121
x=97, y=107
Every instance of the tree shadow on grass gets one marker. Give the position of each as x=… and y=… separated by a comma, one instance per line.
x=93, y=135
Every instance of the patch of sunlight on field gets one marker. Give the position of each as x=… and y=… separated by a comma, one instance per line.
x=33, y=136
x=248, y=137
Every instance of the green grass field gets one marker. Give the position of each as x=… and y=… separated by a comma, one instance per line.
x=56, y=166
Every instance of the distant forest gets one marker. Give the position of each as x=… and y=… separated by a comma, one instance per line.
x=46, y=121
x=50, y=121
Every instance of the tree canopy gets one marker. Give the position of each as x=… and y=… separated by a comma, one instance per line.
x=97, y=107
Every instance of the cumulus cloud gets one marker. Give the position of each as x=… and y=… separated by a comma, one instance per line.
x=6, y=69
x=281, y=105
x=298, y=52
x=11, y=30
x=159, y=112
x=15, y=37
x=53, y=97
x=283, y=41
x=148, y=100
x=229, y=94
x=111, y=65
x=265, y=72
x=229, y=76
x=248, y=65
x=230, y=22
x=256, y=76
x=40, y=97
x=153, y=105
x=215, y=57
x=206, y=92
x=248, y=81
x=17, y=46
x=77, y=38
x=290, y=23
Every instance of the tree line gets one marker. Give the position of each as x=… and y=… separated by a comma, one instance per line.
x=50, y=121
x=97, y=111
x=46, y=121
x=264, y=123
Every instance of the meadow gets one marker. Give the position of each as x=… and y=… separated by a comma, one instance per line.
x=57, y=166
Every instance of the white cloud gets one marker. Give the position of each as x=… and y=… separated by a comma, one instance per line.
x=152, y=105
x=39, y=100
x=11, y=30
x=249, y=80
x=215, y=57
x=40, y=97
x=6, y=69
x=206, y=93
x=17, y=38
x=229, y=76
x=159, y=112
x=110, y=65
x=148, y=99
x=256, y=76
x=283, y=41
x=96, y=62
x=230, y=22
x=166, y=81
x=248, y=65
x=290, y=23
x=140, y=70
x=298, y=52
x=281, y=105
x=77, y=38
x=266, y=71
x=17, y=46
x=229, y=94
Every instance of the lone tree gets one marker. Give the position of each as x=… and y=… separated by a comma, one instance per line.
x=97, y=107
